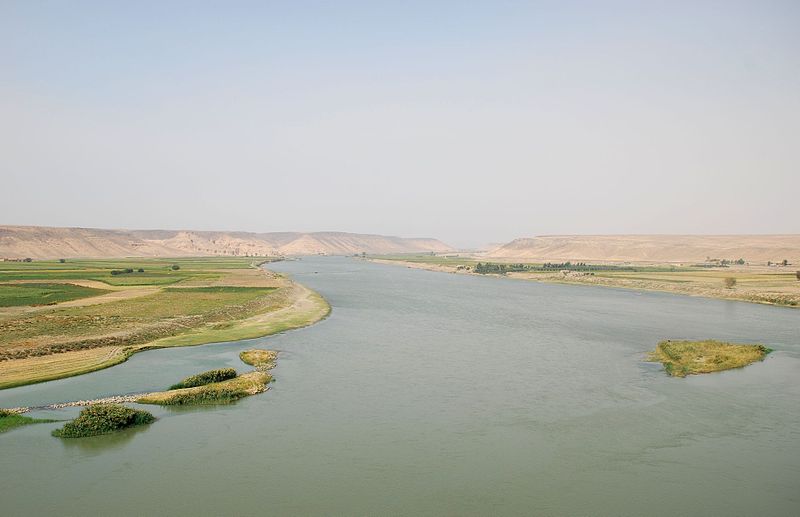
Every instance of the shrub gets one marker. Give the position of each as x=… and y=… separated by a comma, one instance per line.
x=102, y=419
x=62, y=260
x=797, y=274
x=201, y=379
x=730, y=282
x=175, y=267
x=140, y=270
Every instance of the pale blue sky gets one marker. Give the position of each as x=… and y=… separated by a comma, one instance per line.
x=472, y=122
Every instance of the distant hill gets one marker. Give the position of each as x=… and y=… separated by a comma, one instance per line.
x=41, y=242
x=652, y=248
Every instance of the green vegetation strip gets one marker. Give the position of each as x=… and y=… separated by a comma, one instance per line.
x=103, y=419
x=682, y=358
x=201, y=379
x=9, y=420
x=15, y=295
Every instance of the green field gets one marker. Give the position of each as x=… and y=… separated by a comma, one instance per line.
x=171, y=302
x=150, y=304
x=154, y=313
x=14, y=295
x=156, y=271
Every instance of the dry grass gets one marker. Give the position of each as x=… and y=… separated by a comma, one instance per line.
x=19, y=372
x=215, y=393
x=682, y=358
x=261, y=359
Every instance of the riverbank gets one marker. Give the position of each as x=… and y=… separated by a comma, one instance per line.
x=194, y=306
x=755, y=285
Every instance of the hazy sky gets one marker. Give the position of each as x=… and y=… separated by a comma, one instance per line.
x=472, y=122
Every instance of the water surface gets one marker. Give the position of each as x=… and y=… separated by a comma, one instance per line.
x=430, y=393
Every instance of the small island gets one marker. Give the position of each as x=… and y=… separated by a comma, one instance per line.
x=103, y=419
x=682, y=358
x=107, y=415
x=260, y=359
x=210, y=391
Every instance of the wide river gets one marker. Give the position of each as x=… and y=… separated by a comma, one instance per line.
x=437, y=394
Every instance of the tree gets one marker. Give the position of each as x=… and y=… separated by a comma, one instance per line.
x=175, y=267
x=730, y=282
x=62, y=260
x=140, y=270
x=740, y=261
x=798, y=275
x=785, y=262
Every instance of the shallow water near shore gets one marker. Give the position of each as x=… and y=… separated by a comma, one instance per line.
x=431, y=393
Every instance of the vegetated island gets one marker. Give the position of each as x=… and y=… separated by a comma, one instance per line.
x=260, y=359
x=682, y=358
x=10, y=420
x=220, y=386
x=103, y=419
x=771, y=283
x=213, y=387
x=70, y=317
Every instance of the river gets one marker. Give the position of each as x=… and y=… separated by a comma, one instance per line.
x=430, y=393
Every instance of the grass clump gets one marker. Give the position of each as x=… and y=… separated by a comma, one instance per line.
x=223, y=392
x=103, y=419
x=261, y=359
x=10, y=420
x=209, y=377
x=682, y=358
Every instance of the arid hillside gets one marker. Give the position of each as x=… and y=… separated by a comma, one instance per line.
x=41, y=242
x=652, y=248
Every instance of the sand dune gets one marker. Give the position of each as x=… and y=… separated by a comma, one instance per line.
x=652, y=248
x=40, y=242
